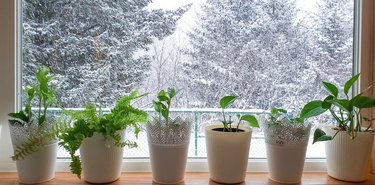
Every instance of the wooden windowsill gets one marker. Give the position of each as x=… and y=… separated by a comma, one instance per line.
x=316, y=178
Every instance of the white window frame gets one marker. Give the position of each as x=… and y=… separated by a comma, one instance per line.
x=10, y=74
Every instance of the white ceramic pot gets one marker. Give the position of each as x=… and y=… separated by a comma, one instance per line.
x=101, y=159
x=348, y=159
x=168, y=146
x=285, y=163
x=168, y=162
x=39, y=166
x=227, y=154
x=286, y=146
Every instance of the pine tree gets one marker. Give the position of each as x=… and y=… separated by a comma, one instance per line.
x=253, y=49
x=94, y=46
x=333, y=40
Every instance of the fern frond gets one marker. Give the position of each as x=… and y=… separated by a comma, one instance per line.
x=27, y=148
x=75, y=166
x=34, y=143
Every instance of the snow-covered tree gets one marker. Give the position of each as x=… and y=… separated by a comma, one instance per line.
x=93, y=46
x=333, y=40
x=253, y=49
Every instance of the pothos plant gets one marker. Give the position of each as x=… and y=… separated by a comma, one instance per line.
x=227, y=121
x=345, y=111
x=280, y=116
x=43, y=96
x=86, y=122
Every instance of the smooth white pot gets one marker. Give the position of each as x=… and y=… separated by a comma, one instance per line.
x=227, y=154
x=101, y=159
x=168, y=162
x=285, y=163
x=39, y=166
x=348, y=159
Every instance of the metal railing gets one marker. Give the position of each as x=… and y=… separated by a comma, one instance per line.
x=196, y=113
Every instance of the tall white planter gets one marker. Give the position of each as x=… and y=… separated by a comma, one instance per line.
x=348, y=159
x=39, y=166
x=286, y=146
x=101, y=159
x=227, y=154
x=168, y=145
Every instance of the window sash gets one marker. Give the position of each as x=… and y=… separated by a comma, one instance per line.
x=10, y=75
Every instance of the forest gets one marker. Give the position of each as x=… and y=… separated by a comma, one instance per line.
x=267, y=52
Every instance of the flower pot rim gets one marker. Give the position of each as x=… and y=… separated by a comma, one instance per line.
x=245, y=129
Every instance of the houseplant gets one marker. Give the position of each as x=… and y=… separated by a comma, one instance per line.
x=228, y=146
x=168, y=141
x=34, y=133
x=349, y=141
x=101, y=138
x=286, y=139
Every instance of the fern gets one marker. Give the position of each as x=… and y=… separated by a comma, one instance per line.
x=35, y=142
x=88, y=121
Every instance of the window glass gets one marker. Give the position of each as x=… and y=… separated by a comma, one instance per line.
x=268, y=53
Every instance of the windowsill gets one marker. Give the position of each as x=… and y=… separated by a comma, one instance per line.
x=193, y=165
x=190, y=178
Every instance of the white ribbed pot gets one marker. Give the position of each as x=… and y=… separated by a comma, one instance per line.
x=168, y=146
x=348, y=159
x=286, y=150
x=39, y=166
x=101, y=159
x=227, y=154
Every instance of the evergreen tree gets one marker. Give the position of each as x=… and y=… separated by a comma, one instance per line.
x=333, y=36
x=94, y=46
x=253, y=49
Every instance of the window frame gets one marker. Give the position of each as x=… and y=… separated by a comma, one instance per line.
x=10, y=74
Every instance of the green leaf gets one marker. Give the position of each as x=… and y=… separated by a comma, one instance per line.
x=313, y=108
x=20, y=115
x=343, y=104
x=226, y=101
x=363, y=102
x=252, y=121
x=350, y=83
x=326, y=104
x=163, y=98
x=331, y=88
x=161, y=93
x=320, y=135
x=157, y=106
x=275, y=110
x=30, y=92
x=16, y=122
x=165, y=113
x=171, y=92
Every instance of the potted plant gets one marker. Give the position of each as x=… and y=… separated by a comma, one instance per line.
x=101, y=138
x=228, y=146
x=349, y=141
x=286, y=139
x=168, y=141
x=34, y=133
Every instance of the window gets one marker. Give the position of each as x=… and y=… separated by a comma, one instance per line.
x=234, y=52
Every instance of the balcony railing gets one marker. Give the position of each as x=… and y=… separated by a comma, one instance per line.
x=201, y=117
